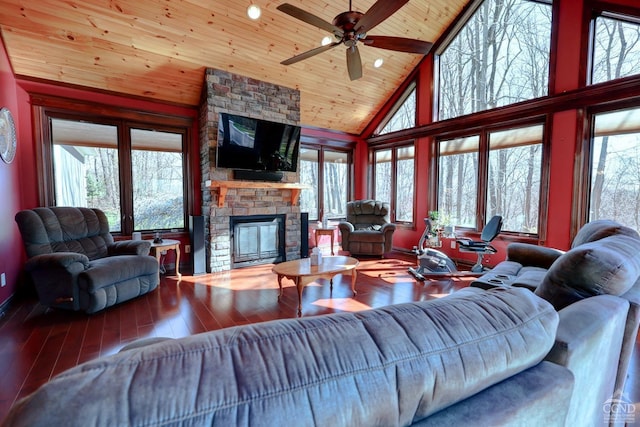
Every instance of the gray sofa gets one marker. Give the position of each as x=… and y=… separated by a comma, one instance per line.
x=367, y=230
x=477, y=357
x=526, y=265
x=75, y=264
x=604, y=258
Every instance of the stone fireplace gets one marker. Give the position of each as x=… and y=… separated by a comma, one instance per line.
x=223, y=197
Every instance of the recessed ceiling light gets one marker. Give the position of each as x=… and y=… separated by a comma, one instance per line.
x=254, y=11
x=378, y=62
x=326, y=40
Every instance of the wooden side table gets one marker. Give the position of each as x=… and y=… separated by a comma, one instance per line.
x=165, y=245
x=325, y=232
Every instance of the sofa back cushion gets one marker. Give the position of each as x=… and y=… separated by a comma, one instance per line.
x=64, y=229
x=599, y=229
x=610, y=265
x=367, y=214
x=388, y=366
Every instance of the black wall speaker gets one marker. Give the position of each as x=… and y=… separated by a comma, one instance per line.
x=304, y=235
x=198, y=253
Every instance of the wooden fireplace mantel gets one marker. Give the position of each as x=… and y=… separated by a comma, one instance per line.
x=223, y=186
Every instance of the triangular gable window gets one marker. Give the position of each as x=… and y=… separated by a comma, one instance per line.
x=403, y=114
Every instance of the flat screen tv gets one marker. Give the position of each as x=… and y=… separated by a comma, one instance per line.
x=259, y=145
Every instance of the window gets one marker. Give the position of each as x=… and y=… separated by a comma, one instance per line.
x=158, y=180
x=498, y=57
x=615, y=167
x=382, y=175
x=309, y=175
x=134, y=171
x=327, y=172
x=405, y=181
x=616, y=47
x=394, y=180
x=403, y=115
x=509, y=184
x=458, y=180
x=513, y=184
x=336, y=184
x=86, y=170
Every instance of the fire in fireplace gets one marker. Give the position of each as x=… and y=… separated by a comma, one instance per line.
x=257, y=239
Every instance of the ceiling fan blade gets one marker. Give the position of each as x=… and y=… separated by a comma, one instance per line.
x=381, y=10
x=399, y=44
x=354, y=64
x=309, y=54
x=309, y=18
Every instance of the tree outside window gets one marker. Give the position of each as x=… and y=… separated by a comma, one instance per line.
x=158, y=182
x=615, y=142
x=615, y=167
x=616, y=48
x=92, y=165
x=405, y=183
x=382, y=175
x=403, y=115
x=394, y=180
x=458, y=180
x=86, y=170
x=336, y=184
x=499, y=57
x=513, y=178
x=513, y=184
x=309, y=176
x=326, y=172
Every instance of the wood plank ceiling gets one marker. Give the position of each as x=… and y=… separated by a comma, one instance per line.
x=159, y=49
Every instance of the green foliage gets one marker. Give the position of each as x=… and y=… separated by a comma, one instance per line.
x=155, y=213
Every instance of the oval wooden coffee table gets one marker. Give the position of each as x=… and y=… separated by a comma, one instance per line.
x=302, y=272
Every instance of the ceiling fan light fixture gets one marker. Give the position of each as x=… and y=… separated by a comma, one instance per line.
x=378, y=62
x=326, y=40
x=254, y=12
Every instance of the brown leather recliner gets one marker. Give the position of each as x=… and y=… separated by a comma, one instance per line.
x=367, y=230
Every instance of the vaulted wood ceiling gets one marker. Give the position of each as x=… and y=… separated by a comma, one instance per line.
x=159, y=49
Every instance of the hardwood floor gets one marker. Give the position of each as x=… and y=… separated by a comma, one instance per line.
x=38, y=343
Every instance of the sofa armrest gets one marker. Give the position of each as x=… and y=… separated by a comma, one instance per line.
x=129, y=247
x=388, y=227
x=532, y=255
x=630, y=335
x=588, y=343
x=537, y=396
x=56, y=260
x=346, y=228
x=388, y=230
x=54, y=277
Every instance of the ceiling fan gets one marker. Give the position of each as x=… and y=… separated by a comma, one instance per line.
x=351, y=27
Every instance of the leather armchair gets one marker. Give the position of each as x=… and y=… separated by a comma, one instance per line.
x=367, y=230
x=75, y=264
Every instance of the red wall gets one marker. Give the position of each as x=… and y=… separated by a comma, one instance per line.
x=10, y=183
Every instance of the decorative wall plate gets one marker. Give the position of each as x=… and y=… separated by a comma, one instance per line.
x=8, y=140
